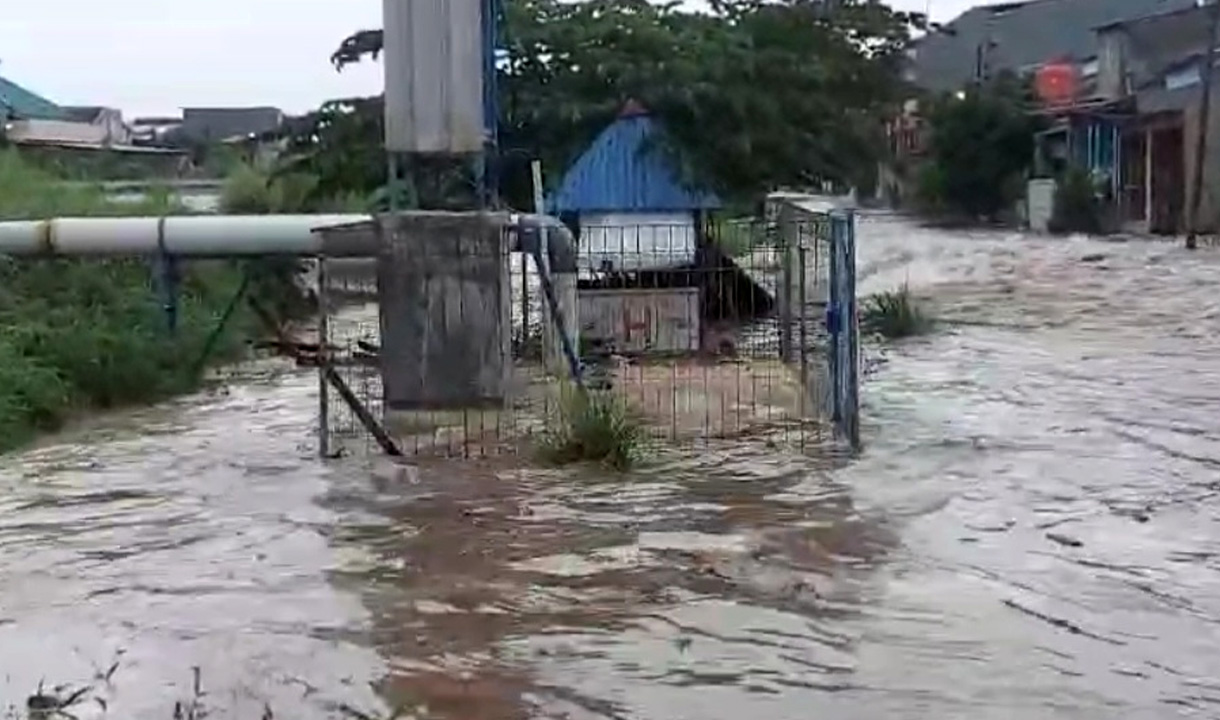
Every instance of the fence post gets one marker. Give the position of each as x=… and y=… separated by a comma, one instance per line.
x=844, y=356
x=803, y=320
x=323, y=358
x=853, y=324
x=780, y=229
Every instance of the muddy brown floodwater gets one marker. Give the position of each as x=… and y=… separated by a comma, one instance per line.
x=1031, y=533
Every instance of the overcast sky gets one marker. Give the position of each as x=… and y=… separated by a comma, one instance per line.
x=155, y=56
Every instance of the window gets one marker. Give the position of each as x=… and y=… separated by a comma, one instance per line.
x=1184, y=77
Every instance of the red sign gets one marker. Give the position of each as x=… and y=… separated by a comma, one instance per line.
x=1056, y=83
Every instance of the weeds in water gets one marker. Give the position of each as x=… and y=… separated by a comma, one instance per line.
x=594, y=427
x=67, y=702
x=895, y=315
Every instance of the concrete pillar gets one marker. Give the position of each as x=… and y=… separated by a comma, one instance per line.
x=443, y=279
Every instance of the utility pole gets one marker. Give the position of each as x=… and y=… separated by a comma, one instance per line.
x=1196, y=184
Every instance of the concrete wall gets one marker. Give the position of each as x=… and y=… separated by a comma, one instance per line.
x=56, y=132
x=1112, y=63
x=652, y=320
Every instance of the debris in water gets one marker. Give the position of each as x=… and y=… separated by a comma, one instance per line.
x=1061, y=623
x=1066, y=540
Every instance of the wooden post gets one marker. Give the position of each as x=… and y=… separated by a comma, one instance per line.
x=1148, y=180
x=1204, y=121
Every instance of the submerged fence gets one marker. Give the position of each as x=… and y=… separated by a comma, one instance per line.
x=454, y=342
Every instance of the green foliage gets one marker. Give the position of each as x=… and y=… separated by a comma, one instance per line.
x=981, y=145
x=250, y=191
x=1076, y=208
x=77, y=334
x=737, y=238
x=594, y=427
x=340, y=145
x=895, y=315
x=931, y=193
x=86, y=164
x=753, y=95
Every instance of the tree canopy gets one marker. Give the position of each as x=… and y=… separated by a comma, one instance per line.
x=753, y=95
x=980, y=146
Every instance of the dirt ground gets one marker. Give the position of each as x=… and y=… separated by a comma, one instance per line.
x=700, y=399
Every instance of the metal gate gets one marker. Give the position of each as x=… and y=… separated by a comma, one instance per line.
x=726, y=331
x=819, y=329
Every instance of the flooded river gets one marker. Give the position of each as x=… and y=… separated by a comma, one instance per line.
x=1032, y=532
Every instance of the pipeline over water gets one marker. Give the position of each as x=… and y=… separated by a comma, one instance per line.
x=1030, y=533
x=251, y=235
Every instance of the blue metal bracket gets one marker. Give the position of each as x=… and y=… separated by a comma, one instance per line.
x=833, y=326
x=168, y=282
x=168, y=279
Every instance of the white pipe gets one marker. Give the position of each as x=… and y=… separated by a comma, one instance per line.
x=187, y=235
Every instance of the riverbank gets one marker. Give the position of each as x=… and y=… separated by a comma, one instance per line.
x=83, y=335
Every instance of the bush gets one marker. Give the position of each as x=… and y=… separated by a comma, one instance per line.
x=250, y=191
x=594, y=427
x=980, y=142
x=1076, y=208
x=930, y=190
x=895, y=315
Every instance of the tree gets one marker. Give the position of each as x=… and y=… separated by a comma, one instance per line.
x=980, y=147
x=753, y=95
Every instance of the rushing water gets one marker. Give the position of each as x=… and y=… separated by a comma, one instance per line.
x=1031, y=533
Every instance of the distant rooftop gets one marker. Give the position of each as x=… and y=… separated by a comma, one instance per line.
x=220, y=123
x=1021, y=36
x=16, y=101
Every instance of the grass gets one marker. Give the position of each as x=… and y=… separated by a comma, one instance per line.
x=895, y=315
x=77, y=334
x=594, y=427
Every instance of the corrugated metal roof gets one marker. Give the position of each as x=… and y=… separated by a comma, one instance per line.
x=622, y=172
x=17, y=101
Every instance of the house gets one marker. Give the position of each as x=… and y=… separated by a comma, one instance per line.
x=1015, y=37
x=1158, y=62
x=1019, y=37
x=626, y=201
x=221, y=124
x=652, y=278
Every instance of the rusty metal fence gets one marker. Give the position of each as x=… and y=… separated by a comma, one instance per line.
x=706, y=331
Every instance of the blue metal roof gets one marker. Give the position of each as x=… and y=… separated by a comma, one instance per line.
x=621, y=172
x=16, y=101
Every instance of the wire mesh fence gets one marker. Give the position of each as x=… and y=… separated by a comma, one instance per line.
x=704, y=331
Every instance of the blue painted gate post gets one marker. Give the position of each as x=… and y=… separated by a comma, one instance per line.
x=843, y=324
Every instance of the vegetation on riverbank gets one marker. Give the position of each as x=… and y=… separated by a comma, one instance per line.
x=895, y=315
x=93, y=334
